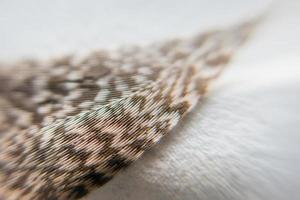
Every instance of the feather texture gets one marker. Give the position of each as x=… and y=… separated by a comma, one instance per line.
x=68, y=125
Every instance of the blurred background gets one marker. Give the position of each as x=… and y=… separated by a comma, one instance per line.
x=242, y=143
x=49, y=28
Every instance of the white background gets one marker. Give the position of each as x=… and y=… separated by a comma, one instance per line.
x=49, y=28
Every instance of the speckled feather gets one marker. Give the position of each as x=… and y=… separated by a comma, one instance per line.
x=68, y=125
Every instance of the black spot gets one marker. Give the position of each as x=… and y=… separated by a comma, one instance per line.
x=78, y=192
x=97, y=178
x=55, y=87
x=117, y=162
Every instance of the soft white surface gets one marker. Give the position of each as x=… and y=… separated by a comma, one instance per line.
x=44, y=28
x=242, y=142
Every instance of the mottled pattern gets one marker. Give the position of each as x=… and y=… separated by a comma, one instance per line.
x=68, y=125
